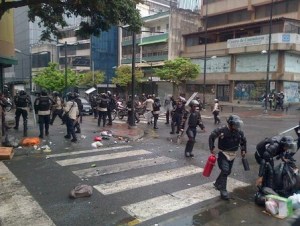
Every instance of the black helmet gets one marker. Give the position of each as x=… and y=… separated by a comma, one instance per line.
x=76, y=95
x=287, y=142
x=194, y=103
x=44, y=93
x=70, y=96
x=22, y=93
x=55, y=93
x=235, y=121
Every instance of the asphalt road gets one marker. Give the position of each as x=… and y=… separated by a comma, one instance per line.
x=146, y=182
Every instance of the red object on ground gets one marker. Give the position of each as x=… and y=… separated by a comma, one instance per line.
x=97, y=138
x=209, y=165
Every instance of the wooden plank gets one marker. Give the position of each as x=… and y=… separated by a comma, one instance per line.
x=6, y=153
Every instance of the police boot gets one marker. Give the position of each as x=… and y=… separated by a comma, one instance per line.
x=17, y=125
x=189, y=148
x=222, y=186
x=172, y=128
x=25, y=129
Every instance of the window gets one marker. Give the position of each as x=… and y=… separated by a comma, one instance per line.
x=158, y=28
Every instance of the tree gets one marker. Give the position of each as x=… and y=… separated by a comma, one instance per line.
x=178, y=71
x=100, y=14
x=124, y=76
x=91, y=79
x=50, y=78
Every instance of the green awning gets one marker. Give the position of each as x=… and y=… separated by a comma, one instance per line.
x=8, y=61
x=153, y=42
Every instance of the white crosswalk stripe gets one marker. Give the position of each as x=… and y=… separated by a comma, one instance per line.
x=103, y=170
x=144, y=208
x=81, y=160
x=151, y=208
x=149, y=179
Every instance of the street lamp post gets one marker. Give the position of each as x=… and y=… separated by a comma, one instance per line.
x=132, y=122
x=269, y=56
x=66, y=69
x=205, y=53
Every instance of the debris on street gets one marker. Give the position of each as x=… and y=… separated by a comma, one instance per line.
x=97, y=144
x=80, y=191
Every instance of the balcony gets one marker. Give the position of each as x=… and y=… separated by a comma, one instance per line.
x=156, y=38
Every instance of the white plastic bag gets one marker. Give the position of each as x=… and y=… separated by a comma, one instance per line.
x=272, y=207
x=295, y=201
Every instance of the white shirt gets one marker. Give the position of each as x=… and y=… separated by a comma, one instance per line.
x=72, y=108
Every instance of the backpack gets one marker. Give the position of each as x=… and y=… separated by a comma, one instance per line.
x=260, y=147
x=44, y=104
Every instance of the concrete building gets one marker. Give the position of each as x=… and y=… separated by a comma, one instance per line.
x=160, y=40
x=235, y=38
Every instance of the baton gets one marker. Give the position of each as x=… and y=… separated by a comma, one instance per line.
x=288, y=130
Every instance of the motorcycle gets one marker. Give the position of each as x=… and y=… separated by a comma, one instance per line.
x=121, y=110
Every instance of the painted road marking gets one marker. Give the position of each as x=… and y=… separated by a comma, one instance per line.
x=17, y=206
x=149, y=179
x=104, y=170
x=155, y=207
x=88, y=151
x=80, y=160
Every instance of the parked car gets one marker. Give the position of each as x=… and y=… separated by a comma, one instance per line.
x=87, y=108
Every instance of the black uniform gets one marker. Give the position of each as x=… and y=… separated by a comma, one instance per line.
x=42, y=107
x=229, y=141
x=266, y=150
x=102, y=102
x=194, y=120
x=177, y=114
x=22, y=103
x=111, y=106
x=156, y=111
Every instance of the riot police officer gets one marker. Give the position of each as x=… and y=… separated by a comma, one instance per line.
x=177, y=114
x=266, y=151
x=111, y=106
x=230, y=137
x=194, y=119
x=22, y=102
x=42, y=106
x=80, y=109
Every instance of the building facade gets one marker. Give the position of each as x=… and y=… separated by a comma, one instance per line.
x=160, y=40
x=232, y=50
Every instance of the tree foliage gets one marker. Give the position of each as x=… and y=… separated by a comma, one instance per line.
x=178, y=71
x=100, y=14
x=90, y=79
x=52, y=79
x=124, y=76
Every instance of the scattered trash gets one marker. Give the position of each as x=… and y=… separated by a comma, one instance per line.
x=50, y=142
x=10, y=141
x=243, y=221
x=97, y=138
x=82, y=136
x=81, y=190
x=234, y=203
x=97, y=144
x=120, y=138
x=20, y=147
x=105, y=137
x=47, y=157
x=295, y=201
x=188, y=184
x=93, y=165
x=115, y=142
x=30, y=141
x=47, y=150
x=114, y=212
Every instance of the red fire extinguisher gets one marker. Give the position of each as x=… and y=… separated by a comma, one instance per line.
x=209, y=165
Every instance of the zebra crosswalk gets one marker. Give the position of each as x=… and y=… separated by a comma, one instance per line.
x=164, y=170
